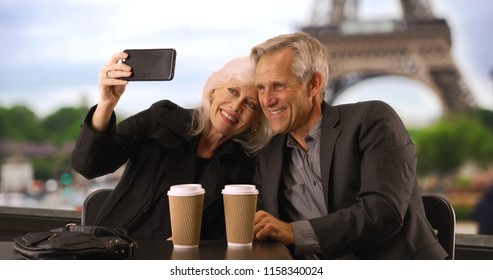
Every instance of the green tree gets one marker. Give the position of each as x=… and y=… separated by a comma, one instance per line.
x=450, y=142
x=3, y=122
x=20, y=123
x=485, y=116
x=64, y=124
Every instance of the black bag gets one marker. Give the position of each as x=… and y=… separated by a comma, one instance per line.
x=75, y=242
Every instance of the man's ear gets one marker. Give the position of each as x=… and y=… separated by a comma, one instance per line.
x=316, y=83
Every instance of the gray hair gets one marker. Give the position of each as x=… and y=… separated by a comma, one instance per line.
x=310, y=55
x=241, y=71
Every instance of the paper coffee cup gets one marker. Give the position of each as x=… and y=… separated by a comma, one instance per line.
x=240, y=204
x=186, y=203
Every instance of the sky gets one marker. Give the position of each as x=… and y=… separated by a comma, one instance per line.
x=52, y=50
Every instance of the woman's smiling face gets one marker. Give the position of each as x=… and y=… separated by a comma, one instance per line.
x=234, y=109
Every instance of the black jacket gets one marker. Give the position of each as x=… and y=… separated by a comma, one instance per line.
x=368, y=168
x=159, y=153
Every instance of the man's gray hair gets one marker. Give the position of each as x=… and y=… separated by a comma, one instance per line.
x=310, y=55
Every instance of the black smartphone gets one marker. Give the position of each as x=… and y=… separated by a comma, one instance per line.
x=151, y=64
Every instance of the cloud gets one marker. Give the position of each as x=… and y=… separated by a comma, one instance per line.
x=54, y=49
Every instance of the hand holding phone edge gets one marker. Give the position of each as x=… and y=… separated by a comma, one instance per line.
x=111, y=88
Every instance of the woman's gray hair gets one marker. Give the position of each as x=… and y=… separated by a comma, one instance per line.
x=241, y=71
x=310, y=55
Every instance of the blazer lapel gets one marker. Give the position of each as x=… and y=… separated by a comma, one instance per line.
x=271, y=178
x=327, y=145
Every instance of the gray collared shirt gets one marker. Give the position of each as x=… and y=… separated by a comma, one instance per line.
x=304, y=193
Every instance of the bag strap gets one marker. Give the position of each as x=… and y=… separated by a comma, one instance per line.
x=98, y=231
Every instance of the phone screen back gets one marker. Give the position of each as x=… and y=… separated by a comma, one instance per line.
x=151, y=64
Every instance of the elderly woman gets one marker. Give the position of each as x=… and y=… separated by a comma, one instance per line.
x=167, y=145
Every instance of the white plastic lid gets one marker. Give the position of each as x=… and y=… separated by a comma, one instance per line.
x=239, y=189
x=186, y=190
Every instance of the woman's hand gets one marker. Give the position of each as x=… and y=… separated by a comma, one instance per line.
x=111, y=88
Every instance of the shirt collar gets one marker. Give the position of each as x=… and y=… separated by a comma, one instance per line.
x=313, y=135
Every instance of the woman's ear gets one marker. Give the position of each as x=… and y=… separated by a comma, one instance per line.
x=256, y=126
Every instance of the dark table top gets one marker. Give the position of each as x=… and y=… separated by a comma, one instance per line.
x=208, y=250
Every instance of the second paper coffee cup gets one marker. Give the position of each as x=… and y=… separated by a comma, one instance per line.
x=240, y=204
x=185, y=208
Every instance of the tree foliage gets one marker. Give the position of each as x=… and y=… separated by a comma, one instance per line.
x=64, y=124
x=452, y=141
x=21, y=124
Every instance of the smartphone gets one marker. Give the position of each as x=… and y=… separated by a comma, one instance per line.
x=151, y=64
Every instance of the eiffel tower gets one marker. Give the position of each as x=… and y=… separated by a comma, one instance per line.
x=417, y=46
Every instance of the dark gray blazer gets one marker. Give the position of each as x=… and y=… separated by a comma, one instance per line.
x=368, y=167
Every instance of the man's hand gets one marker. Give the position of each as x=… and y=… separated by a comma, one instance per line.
x=267, y=226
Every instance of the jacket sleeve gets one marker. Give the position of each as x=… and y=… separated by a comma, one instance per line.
x=96, y=154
